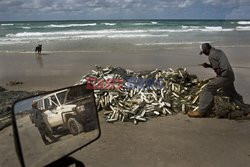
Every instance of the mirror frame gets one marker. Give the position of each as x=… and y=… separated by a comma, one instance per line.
x=17, y=142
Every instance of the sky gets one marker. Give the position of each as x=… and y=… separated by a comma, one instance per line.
x=11, y=10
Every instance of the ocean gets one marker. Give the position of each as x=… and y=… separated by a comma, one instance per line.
x=136, y=32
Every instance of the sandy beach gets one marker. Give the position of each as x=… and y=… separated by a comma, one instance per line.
x=167, y=141
x=63, y=66
x=174, y=141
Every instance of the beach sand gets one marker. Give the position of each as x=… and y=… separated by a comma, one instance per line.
x=61, y=65
x=167, y=141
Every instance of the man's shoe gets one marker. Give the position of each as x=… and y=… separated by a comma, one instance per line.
x=46, y=142
x=55, y=140
x=195, y=114
x=248, y=116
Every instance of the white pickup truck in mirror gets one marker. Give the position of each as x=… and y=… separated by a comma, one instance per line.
x=55, y=124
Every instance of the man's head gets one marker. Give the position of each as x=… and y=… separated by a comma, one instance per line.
x=34, y=104
x=205, y=48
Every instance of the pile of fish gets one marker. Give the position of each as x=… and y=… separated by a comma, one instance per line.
x=126, y=95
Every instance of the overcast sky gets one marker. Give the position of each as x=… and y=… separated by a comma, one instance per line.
x=123, y=9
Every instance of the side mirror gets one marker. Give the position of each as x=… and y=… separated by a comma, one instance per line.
x=43, y=137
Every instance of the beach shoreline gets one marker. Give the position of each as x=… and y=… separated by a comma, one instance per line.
x=54, y=70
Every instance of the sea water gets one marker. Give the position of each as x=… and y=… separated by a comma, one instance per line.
x=137, y=32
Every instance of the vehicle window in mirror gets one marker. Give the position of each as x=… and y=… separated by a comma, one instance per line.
x=71, y=95
x=75, y=94
x=54, y=101
x=61, y=97
x=46, y=104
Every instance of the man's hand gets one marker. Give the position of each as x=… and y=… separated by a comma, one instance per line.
x=218, y=71
x=205, y=65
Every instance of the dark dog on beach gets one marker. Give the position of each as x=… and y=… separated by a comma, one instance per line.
x=39, y=49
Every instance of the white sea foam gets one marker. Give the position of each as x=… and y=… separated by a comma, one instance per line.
x=26, y=27
x=69, y=25
x=154, y=22
x=109, y=24
x=190, y=27
x=24, y=39
x=195, y=28
x=144, y=24
x=57, y=33
x=35, y=34
x=7, y=24
x=110, y=32
x=113, y=33
x=81, y=32
x=228, y=29
x=174, y=30
x=135, y=36
x=172, y=43
x=119, y=36
x=127, y=33
x=243, y=28
x=216, y=29
x=11, y=42
x=185, y=26
x=86, y=34
x=205, y=29
x=243, y=22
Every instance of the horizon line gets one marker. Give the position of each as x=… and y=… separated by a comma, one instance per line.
x=122, y=20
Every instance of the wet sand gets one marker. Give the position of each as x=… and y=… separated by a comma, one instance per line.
x=167, y=141
x=60, y=67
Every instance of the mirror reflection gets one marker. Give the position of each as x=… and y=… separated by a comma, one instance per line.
x=55, y=124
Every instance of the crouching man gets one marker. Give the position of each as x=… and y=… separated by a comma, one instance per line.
x=224, y=79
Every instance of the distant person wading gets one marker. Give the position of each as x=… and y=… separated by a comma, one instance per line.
x=224, y=79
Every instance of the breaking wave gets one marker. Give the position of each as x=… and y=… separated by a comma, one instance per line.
x=7, y=24
x=205, y=29
x=172, y=43
x=243, y=28
x=13, y=42
x=218, y=28
x=122, y=33
x=69, y=33
x=103, y=33
x=135, y=35
x=162, y=30
x=190, y=27
x=243, y=22
x=109, y=24
x=69, y=25
x=26, y=28
x=145, y=24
